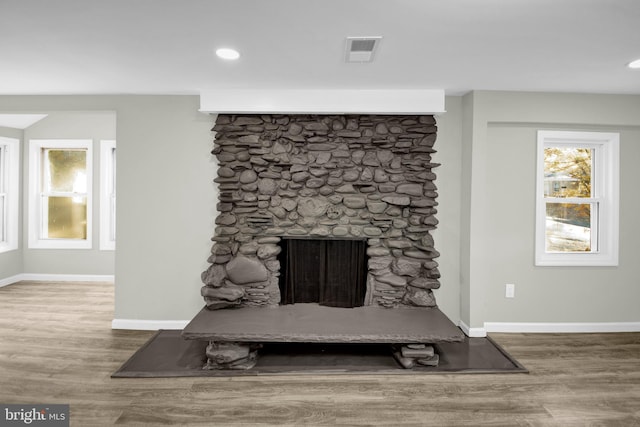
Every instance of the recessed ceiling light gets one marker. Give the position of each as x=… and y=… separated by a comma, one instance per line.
x=634, y=64
x=226, y=53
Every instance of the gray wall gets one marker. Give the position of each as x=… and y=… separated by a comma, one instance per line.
x=447, y=235
x=166, y=198
x=70, y=125
x=166, y=205
x=502, y=146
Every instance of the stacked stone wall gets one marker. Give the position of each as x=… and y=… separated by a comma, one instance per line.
x=324, y=176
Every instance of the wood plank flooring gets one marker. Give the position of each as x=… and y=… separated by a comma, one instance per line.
x=56, y=346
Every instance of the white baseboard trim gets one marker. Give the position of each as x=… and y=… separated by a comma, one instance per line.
x=57, y=278
x=10, y=280
x=67, y=277
x=472, y=332
x=569, y=327
x=148, y=325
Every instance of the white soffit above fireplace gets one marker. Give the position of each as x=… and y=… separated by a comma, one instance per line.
x=312, y=101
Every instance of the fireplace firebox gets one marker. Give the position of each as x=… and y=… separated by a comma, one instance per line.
x=330, y=272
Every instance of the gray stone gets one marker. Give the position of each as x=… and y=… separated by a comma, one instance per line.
x=340, y=231
x=279, y=148
x=425, y=283
x=295, y=129
x=336, y=198
x=249, y=139
x=370, y=159
x=244, y=121
x=321, y=147
x=354, y=202
x=267, y=186
x=385, y=156
x=226, y=172
x=399, y=243
x=406, y=267
x=289, y=204
x=278, y=211
x=380, y=262
x=318, y=172
x=366, y=175
x=377, y=251
x=227, y=231
x=320, y=231
x=392, y=279
x=424, y=351
x=386, y=187
x=419, y=297
x=242, y=270
x=397, y=200
x=410, y=189
x=380, y=175
x=429, y=361
x=232, y=356
x=227, y=292
x=299, y=176
x=347, y=188
x=311, y=207
x=351, y=175
x=271, y=239
x=372, y=231
x=315, y=182
x=430, y=220
x=268, y=251
x=226, y=219
x=296, y=231
x=376, y=207
x=326, y=190
x=323, y=158
x=214, y=276
x=413, y=253
x=357, y=156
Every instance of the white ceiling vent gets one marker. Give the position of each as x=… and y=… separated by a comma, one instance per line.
x=361, y=49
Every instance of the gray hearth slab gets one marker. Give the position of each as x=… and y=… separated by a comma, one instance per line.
x=315, y=323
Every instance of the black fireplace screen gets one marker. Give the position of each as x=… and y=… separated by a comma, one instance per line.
x=328, y=272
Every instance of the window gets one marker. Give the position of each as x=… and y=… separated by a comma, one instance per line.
x=577, y=199
x=107, y=195
x=9, y=193
x=60, y=183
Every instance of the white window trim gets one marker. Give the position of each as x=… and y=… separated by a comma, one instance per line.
x=606, y=192
x=107, y=213
x=35, y=200
x=11, y=178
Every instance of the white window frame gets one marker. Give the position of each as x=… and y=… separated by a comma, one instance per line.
x=108, y=195
x=605, y=199
x=36, y=220
x=9, y=193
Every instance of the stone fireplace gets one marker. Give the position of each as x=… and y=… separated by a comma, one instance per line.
x=366, y=177
x=323, y=235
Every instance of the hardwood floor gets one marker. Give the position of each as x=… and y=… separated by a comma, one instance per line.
x=57, y=346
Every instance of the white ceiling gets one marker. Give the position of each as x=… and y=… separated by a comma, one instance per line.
x=166, y=46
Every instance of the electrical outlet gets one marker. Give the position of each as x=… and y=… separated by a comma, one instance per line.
x=510, y=290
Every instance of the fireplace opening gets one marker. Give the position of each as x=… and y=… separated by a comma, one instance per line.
x=330, y=272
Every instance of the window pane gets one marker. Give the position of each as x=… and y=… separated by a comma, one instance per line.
x=568, y=227
x=65, y=171
x=567, y=171
x=2, y=218
x=2, y=166
x=67, y=217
